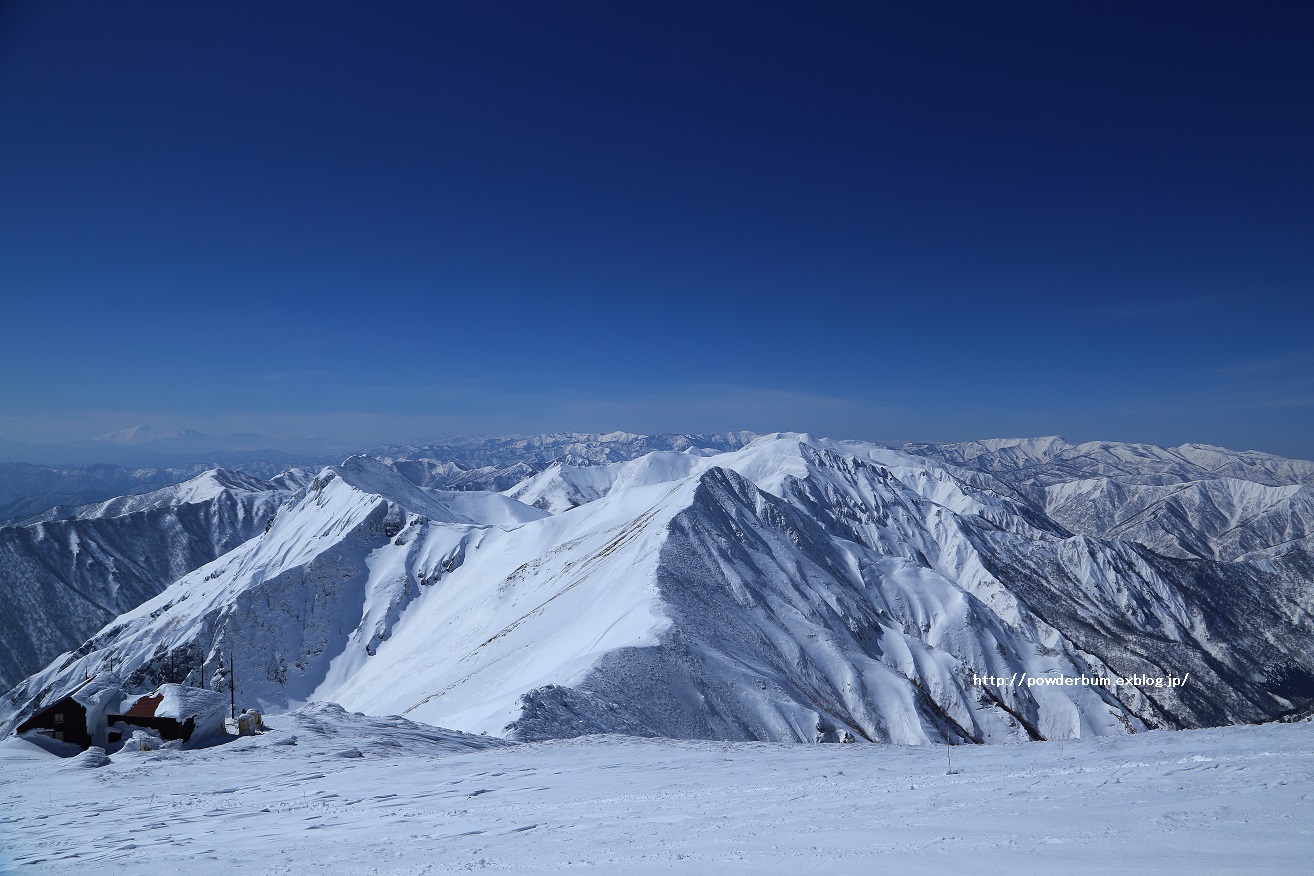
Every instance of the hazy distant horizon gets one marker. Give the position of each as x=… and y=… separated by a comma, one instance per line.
x=310, y=448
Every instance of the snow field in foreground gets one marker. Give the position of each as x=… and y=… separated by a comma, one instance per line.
x=360, y=795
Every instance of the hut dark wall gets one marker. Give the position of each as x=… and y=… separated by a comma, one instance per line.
x=65, y=720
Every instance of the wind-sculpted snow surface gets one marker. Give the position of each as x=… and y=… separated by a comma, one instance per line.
x=794, y=589
x=326, y=791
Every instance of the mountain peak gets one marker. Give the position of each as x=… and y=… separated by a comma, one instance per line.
x=134, y=435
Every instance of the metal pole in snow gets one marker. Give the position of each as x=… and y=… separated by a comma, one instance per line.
x=232, y=685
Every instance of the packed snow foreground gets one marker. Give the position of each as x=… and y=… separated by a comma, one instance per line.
x=326, y=791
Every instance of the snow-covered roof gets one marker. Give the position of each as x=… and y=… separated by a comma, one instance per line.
x=98, y=691
x=178, y=701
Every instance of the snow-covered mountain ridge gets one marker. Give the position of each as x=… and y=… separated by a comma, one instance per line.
x=1030, y=463
x=792, y=589
x=57, y=602
x=64, y=578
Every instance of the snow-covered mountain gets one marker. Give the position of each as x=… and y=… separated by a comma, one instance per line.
x=137, y=556
x=41, y=492
x=1192, y=501
x=481, y=463
x=791, y=589
x=569, y=448
x=1031, y=464
x=468, y=463
x=1217, y=519
x=149, y=434
x=66, y=574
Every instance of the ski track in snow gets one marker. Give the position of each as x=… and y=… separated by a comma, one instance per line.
x=382, y=796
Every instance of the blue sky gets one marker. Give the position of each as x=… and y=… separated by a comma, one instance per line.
x=887, y=221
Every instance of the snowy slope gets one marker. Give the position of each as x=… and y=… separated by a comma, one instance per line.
x=794, y=589
x=1218, y=519
x=1191, y=501
x=561, y=487
x=63, y=579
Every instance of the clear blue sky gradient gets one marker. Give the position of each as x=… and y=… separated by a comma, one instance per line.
x=872, y=220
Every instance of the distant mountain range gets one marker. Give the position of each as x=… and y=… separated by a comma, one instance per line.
x=154, y=458
x=152, y=447
x=29, y=491
x=730, y=587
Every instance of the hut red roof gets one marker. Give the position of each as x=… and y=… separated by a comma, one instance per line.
x=145, y=707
